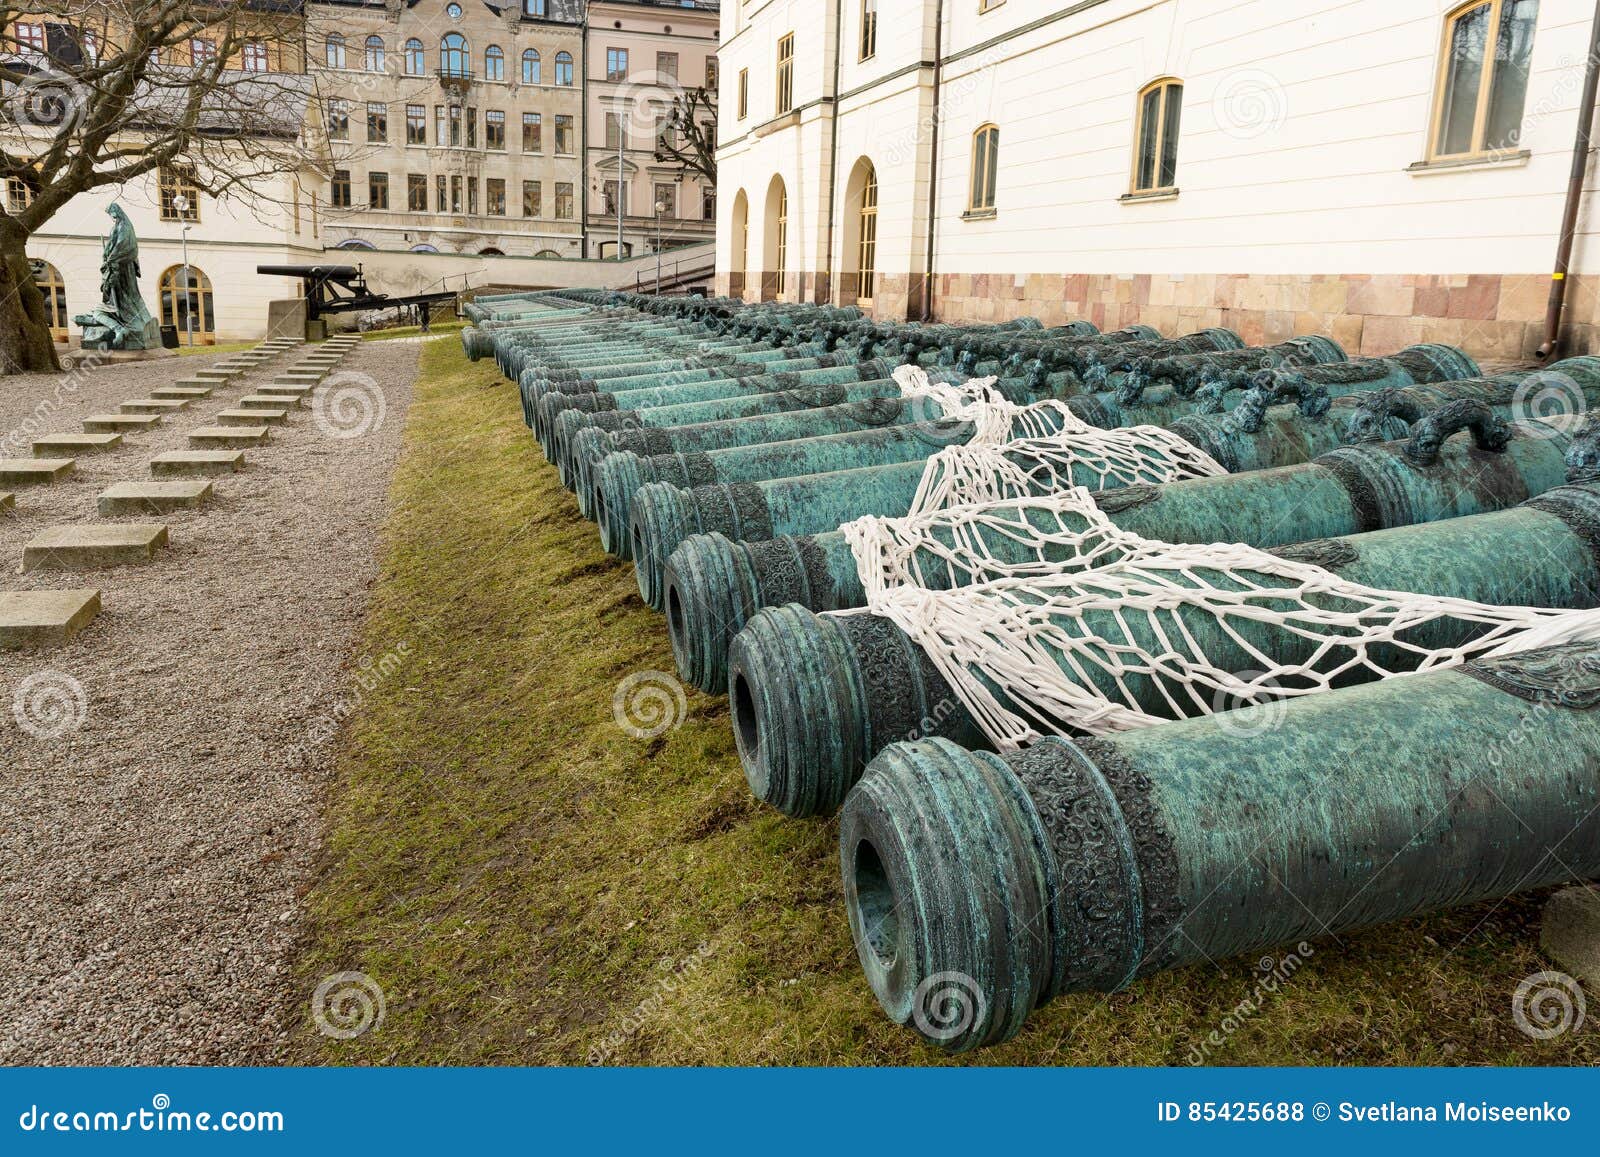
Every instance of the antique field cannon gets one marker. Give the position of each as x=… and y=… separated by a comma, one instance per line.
x=998, y=882
x=713, y=585
x=1569, y=387
x=804, y=740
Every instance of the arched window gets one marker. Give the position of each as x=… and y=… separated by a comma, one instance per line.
x=1483, y=77
x=333, y=50
x=776, y=249
x=355, y=243
x=424, y=247
x=455, y=57
x=741, y=233
x=863, y=193
x=54, y=291
x=491, y=251
x=494, y=63
x=416, y=58
x=564, y=69
x=530, y=67
x=1155, y=147
x=374, y=56
x=985, y=169
x=185, y=297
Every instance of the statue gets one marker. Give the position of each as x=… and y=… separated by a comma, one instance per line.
x=120, y=321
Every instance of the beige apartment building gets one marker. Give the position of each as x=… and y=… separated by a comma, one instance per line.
x=642, y=54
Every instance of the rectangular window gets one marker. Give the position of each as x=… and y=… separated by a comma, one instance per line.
x=340, y=197
x=1156, y=139
x=417, y=193
x=744, y=93
x=177, y=181
x=494, y=130
x=869, y=29
x=611, y=199
x=786, y=74
x=1483, y=81
x=616, y=64
x=708, y=202
x=455, y=193
x=563, y=136
x=17, y=195
x=532, y=132
x=377, y=122
x=615, y=138
x=532, y=198
x=666, y=66
x=455, y=126
x=416, y=124
x=563, y=200
x=472, y=196
x=494, y=196
x=711, y=73
x=202, y=50
x=441, y=203
x=255, y=56
x=472, y=128
x=667, y=199
x=338, y=119
x=31, y=38
x=377, y=190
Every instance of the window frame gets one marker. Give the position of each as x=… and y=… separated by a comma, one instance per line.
x=744, y=93
x=988, y=203
x=783, y=94
x=868, y=46
x=1161, y=84
x=1478, y=149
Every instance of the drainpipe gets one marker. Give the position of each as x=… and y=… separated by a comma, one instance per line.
x=1569, y=217
x=933, y=157
x=833, y=149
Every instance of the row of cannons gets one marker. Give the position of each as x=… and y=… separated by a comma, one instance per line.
x=727, y=449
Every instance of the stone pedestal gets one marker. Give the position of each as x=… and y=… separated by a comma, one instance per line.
x=287, y=318
x=1570, y=934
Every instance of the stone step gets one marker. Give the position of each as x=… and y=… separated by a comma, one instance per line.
x=253, y=418
x=284, y=390
x=89, y=545
x=153, y=497
x=119, y=423
x=299, y=378
x=194, y=383
x=269, y=401
x=216, y=374
x=67, y=445
x=228, y=436
x=34, y=471
x=197, y=463
x=154, y=405
x=33, y=619
x=182, y=393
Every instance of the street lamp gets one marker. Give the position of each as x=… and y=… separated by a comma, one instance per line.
x=661, y=207
x=181, y=204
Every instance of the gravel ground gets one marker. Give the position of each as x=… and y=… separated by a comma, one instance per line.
x=152, y=854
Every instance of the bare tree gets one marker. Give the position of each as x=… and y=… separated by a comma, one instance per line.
x=690, y=136
x=99, y=93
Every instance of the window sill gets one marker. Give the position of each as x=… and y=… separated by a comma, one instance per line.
x=980, y=214
x=1151, y=195
x=1502, y=160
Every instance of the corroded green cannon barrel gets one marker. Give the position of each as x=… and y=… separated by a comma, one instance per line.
x=804, y=740
x=713, y=585
x=1567, y=387
x=1104, y=367
x=1138, y=401
x=1086, y=865
x=702, y=356
x=1015, y=349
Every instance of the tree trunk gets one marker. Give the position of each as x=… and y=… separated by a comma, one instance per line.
x=25, y=342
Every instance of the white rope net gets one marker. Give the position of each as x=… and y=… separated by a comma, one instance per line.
x=1045, y=616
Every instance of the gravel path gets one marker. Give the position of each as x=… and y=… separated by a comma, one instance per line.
x=151, y=855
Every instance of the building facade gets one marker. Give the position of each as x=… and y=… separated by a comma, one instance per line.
x=642, y=55
x=1381, y=171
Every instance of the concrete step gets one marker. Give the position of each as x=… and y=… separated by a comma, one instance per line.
x=120, y=423
x=153, y=497
x=90, y=545
x=283, y=390
x=217, y=374
x=68, y=445
x=182, y=393
x=35, y=619
x=197, y=463
x=269, y=401
x=34, y=471
x=232, y=437
x=253, y=418
x=154, y=405
x=299, y=378
x=193, y=382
